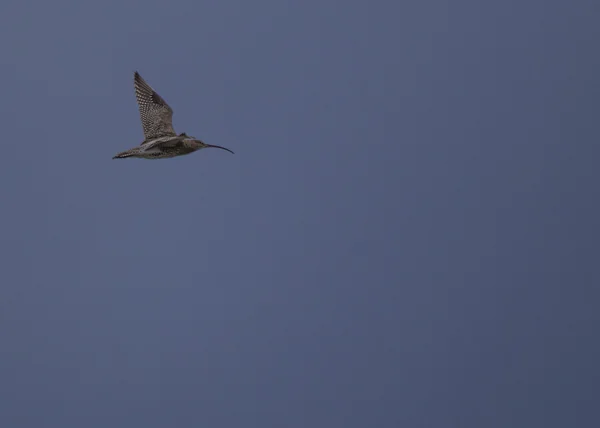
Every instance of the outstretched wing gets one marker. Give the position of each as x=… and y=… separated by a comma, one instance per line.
x=156, y=115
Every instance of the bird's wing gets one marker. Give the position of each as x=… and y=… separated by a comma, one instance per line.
x=156, y=115
x=166, y=141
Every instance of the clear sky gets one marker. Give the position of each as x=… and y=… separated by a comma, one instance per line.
x=406, y=236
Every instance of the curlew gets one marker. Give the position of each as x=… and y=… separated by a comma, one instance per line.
x=160, y=139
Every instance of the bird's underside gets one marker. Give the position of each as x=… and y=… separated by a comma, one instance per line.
x=160, y=139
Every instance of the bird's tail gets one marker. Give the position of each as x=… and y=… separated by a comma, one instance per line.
x=126, y=154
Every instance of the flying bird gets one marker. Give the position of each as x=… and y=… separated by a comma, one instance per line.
x=160, y=139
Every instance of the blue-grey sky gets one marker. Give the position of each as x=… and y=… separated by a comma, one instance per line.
x=407, y=235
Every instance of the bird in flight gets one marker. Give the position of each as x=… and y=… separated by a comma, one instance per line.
x=160, y=139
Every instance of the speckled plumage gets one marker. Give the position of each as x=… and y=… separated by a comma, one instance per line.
x=160, y=139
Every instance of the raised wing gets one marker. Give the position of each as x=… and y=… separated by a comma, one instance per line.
x=156, y=115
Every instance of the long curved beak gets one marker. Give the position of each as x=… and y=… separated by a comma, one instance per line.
x=218, y=147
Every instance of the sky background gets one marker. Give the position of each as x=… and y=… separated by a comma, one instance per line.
x=406, y=236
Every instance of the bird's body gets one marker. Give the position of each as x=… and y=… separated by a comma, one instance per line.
x=164, y=147
x=160, y=141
